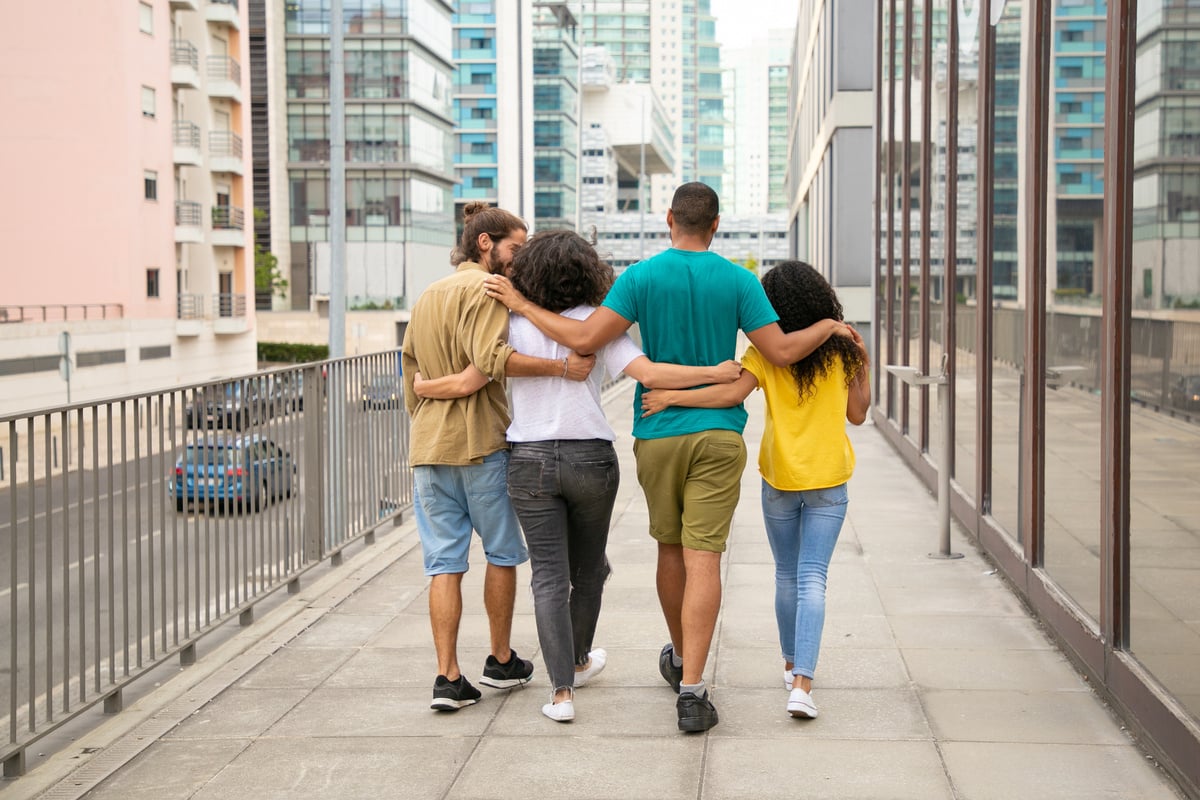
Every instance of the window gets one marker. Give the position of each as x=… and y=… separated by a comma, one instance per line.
x=148, y=102
x=152, y=286
x=146, y=17
x=150, y=184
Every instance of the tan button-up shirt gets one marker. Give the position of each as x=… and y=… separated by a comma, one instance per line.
x=453, y=324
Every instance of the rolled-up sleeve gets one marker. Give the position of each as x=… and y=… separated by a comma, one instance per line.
x=484, y=329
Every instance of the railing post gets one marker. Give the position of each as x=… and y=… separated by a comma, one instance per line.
x=312, y=461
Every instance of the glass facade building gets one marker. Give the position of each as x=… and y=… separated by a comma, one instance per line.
x=1073, y=357
x=556, y=114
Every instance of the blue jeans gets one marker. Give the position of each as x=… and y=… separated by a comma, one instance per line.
x=450, y=501
x=563, y=492
x=803, y=529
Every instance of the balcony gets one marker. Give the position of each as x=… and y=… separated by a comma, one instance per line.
x=225, y=152
x=185, y=65
x=189, y=226
x=223, y=12
x=189, y=315
x=186, y=138
x=224, y=78
x=230, y=314
x=185, y=5
x=228, y=226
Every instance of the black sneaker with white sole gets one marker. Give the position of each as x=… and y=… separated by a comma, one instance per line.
x=451, y=695
x=511, y=673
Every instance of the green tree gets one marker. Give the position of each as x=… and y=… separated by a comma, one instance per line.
x=267, y=277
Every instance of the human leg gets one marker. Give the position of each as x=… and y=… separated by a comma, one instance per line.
x=534, y=493
x=445, y=531
x=781, y=519
x=698, y=615
x=821, y=522
x=661, y=470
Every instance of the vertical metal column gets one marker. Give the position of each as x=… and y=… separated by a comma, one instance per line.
x=950, y=236
x=926, y=215
x=985, y=153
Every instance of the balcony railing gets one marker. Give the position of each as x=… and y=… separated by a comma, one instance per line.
x=184, y=54
x=60, y=312
x=185, y=134
x=189, y=306
x=230, y=305
x=187, y=212
x=224, y=144
x=224, y=68
x=233, y=3
x=225, y=218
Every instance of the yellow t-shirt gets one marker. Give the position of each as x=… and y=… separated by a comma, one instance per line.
x=804, y=443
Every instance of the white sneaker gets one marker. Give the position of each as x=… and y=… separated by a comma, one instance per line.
x=560, y=712
x=596, y=660
x=788, y=677
x=800, y=704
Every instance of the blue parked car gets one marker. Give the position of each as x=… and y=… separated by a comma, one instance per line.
x=229, y=471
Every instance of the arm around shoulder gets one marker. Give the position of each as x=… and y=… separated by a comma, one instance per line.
x=783, y=349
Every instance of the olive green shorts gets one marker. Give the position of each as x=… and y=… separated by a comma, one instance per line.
x=692, y=484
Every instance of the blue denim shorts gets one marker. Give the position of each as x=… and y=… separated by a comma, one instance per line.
x=450, y=501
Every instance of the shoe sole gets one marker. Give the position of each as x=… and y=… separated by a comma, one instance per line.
x=696, y=725
x=803, y=713
x=446, y=704
x=504, y=683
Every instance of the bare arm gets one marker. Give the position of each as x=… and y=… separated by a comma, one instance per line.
x=460, y=384
x=574, y=367
x=783, y=349
x=859, y=400
x=657, y=375
x=582, y=336
x=722, y=395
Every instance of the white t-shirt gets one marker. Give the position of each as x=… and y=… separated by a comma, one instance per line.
x=556, y=408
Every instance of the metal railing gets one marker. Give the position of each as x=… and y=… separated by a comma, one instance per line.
x=233, y=3
x=189, y=306
x=133, y=527
x=224, y=68
x=58, y=312
x=224, y=143
x=230, y=305
x=187, y=212
x=184, y=54
x=185, y=134
x=228, y=218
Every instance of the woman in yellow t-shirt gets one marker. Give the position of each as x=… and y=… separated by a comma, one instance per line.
x=805, y=459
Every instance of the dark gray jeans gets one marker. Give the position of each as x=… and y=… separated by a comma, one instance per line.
x=563, y=492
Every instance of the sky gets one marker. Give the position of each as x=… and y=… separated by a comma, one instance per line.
x=736, y=27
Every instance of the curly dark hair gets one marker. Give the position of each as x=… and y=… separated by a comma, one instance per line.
x=802, y=297
x=560, y=270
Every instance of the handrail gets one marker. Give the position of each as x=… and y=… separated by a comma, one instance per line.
x=56, y=312
x=228, y=218
x=187, y=212
x=225, y=143
x=133, y=527
x=185, y=133
x=224, y=68
x=184, y=54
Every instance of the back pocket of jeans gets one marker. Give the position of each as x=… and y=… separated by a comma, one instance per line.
x=525, y=477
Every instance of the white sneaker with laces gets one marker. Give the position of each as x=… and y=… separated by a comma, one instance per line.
x=800, y=704
x=596, y=660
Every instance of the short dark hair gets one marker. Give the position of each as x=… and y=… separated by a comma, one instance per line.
x=481, y=218
x=560, y=270
x=695, y=206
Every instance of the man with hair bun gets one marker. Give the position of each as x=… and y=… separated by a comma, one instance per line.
x=459, y=453
x=690, y=304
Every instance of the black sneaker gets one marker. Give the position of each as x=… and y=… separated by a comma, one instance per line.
x=511, y=673
x=696, y=714
x=666, y=667
x=451, y=695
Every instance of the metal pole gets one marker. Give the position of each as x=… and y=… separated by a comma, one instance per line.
x=641, y=186
x=943, y=394
x=337, y=184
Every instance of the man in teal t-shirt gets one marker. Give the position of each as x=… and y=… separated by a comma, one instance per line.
x=690, y=304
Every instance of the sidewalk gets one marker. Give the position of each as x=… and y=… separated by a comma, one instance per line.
x=933, y=683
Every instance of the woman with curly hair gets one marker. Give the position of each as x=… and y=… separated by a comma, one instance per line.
x=805, y=459
x=563, y=474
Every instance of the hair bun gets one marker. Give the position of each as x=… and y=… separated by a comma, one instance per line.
x=473, y=208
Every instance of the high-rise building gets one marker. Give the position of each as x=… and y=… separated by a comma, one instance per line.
x=1166, y=183
x=399, y=79
x=671, y=45
x=493, y=126
x=829, y=176
x=127, y=243
x=755, y=86
x=556, y=113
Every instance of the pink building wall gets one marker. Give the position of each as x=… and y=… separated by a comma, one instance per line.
x=73, y=148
